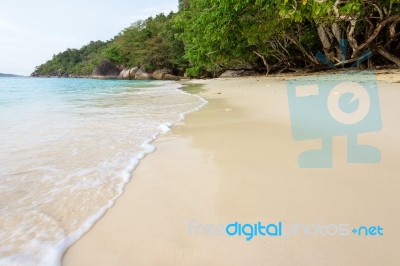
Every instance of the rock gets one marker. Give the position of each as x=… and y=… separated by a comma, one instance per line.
x=242, y=67
x=231, y=73
x=238, y=73
x=159, y=74
x=142, y=75
x=132, y=72
x=122, y=74
x=106, y=70
x=128, y=73
x=249, y=73
x=170, y=77
x=164, y=74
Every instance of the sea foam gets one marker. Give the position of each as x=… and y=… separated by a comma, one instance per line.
x=69, y=149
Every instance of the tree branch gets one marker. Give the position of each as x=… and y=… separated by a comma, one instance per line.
x=350, y=36
x=264, y=60
x=377, y=30
x=379, y=10
x=382, y=51
x=392, y=29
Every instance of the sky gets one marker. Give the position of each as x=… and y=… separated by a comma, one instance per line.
x=32, y=31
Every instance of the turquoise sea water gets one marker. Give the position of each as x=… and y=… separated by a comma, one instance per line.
x=67, y=148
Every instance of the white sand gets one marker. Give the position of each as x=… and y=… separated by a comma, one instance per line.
x=236, y=160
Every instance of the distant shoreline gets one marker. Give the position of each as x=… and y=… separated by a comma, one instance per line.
x=3, y=75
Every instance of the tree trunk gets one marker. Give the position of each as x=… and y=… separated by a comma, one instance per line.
x=326, y=43
x=267, y=66
x=337, y=31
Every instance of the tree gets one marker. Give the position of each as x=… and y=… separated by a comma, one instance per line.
x=219, y=34
x=364, y=24
x=73, y=61
x=207, y=37
x=212, y=36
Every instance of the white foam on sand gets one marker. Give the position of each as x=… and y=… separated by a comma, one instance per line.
x=40, y=236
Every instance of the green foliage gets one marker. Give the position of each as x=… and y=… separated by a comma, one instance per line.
x=206, y=37
x=220, y=34
x=213, y=35
x=150, y=44
x=74, y=61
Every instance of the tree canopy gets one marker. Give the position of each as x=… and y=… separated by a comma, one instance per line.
x=206, y=37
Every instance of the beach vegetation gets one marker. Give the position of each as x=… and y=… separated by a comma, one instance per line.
x=206, y=37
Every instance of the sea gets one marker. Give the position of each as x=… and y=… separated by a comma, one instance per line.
x=68, y=148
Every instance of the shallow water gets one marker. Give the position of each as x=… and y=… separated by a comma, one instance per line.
x=68, y=147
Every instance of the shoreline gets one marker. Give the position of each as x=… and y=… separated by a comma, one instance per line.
x=383, y=71
x=235, y=160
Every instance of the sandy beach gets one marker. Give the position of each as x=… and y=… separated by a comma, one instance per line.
x=235, y=160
